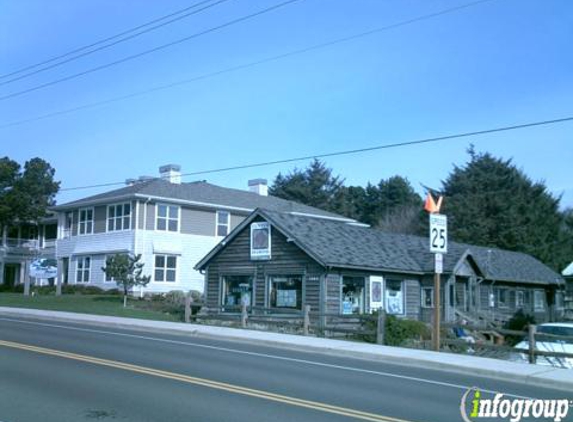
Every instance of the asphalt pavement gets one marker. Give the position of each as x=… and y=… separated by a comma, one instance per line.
x=60, y=370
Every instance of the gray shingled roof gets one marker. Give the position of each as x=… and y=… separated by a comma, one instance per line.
x=342, y=245
x=202, y=192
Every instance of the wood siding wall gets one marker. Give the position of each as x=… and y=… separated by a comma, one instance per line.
x=287, y=259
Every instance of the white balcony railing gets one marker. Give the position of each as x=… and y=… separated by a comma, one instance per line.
x=21, y=243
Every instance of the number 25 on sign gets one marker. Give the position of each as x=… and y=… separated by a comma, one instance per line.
x=438, y=233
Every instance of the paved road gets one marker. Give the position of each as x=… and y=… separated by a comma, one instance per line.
x=71, y=372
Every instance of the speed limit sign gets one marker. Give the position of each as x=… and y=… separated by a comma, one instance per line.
x=438, y=233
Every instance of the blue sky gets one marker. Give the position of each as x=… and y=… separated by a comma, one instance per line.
x=497, y=63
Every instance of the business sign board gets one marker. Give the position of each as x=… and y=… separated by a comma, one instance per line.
x=44, y=268
x=260, y=240
x=438, y=233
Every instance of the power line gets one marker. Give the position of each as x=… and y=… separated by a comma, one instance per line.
x=103, y=47
x=110, y=38
x=150, y=51
x=247, y=65
x=354, y=151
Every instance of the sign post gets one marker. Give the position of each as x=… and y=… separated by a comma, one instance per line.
x=438, y=246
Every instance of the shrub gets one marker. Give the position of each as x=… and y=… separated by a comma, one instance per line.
x=174, y=298
x=520, y=321
x=397, y=331
x=44, y=290
x=80, y=289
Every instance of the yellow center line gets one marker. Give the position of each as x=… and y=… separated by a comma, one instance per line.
x=236, y=389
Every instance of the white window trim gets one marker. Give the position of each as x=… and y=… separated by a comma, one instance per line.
x=228, y=223
x=517, y=294
x=504, y=304
x=157, y=205
x=432, y=294
x=82, y=257
x=92, y=220
x=165, y=282
x=115, y=217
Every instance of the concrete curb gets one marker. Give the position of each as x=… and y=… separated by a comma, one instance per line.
x=492, y=368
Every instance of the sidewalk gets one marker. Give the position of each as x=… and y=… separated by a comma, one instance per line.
x=527, y=374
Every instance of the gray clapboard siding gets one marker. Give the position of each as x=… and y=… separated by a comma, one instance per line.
x=412, y=295
x=198, y=222
x=100, y=219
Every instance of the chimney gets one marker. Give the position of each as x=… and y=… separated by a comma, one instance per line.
x=259, y=186
x=171, y=173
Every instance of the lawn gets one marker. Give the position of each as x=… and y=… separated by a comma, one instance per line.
x=89, y=304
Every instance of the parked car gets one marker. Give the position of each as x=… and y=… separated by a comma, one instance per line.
x=549, y=344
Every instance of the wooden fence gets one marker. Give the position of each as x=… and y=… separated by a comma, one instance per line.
x=490, y=342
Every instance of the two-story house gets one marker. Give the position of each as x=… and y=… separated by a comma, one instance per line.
x=24, y=244
x=170, y=223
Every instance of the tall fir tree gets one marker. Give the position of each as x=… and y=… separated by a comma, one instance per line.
x=491, y=202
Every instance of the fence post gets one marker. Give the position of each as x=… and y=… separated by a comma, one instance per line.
x=380, y=326
x=532, y=331
x=188, y=300
x=306, y=320
x=243, y=315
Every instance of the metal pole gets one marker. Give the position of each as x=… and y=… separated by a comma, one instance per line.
x=437, y=306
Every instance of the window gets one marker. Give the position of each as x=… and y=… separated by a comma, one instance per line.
x=223, y=223
x=237, y=290
x=86, y=225
x=167, y=218
x=538, y=300
x=119, y=217
x=519, y=299
x=83, y=269
x=394, y=297
x=285, y=292
x=427, y=297
x=502, y=298
x=353, y=295
x=165, y=268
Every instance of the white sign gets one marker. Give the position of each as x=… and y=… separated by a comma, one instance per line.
x=44, y=268
x=376, y=292
x=438, y=233
x=439, y=261
x=261, y=240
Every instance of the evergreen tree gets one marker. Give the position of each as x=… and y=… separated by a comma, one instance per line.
x=25, y=195
x=491, y=202
x=315, y=186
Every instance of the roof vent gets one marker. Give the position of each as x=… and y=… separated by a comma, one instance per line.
x=130, y=182
x=259, y=186
x=171, y=173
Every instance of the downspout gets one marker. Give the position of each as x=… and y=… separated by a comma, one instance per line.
x=144, y=228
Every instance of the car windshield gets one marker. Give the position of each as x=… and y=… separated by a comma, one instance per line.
x=556, y=331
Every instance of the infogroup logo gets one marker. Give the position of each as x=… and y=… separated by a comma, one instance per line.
x=512, y=409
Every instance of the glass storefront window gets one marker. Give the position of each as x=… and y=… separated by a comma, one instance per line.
x=237, y=290
x=285, y=292
x=394, y=297
x=353, y=295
